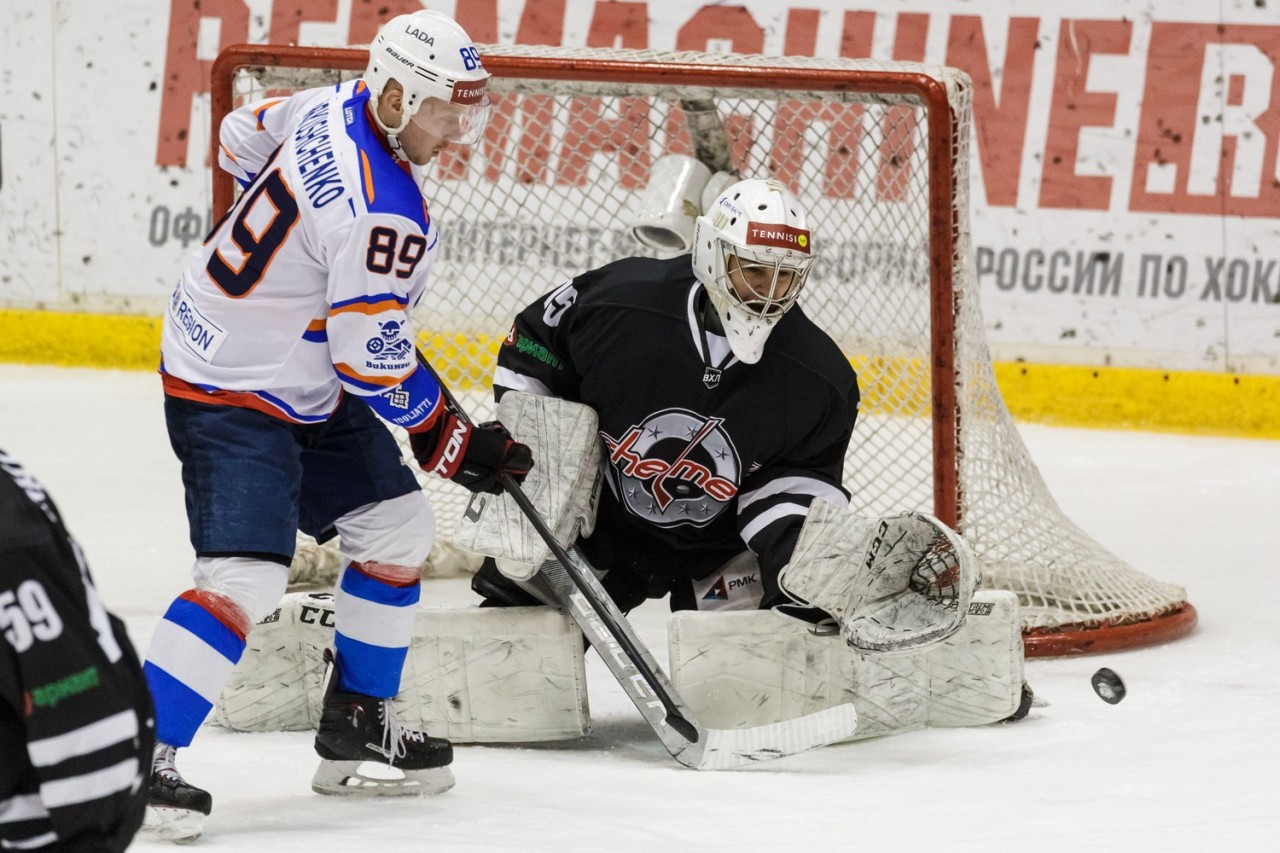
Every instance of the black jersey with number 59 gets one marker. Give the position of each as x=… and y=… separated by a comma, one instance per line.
x=704, y=452
x=76, y=723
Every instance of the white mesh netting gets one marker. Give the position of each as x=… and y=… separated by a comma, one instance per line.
x=548, y=192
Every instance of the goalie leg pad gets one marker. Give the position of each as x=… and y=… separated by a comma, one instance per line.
x=564, y=488
x=472, y=675
x=753, y=668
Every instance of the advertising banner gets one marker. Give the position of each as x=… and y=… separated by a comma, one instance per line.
x=1126, y=184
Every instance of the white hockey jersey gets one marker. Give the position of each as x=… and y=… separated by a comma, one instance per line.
x=305, y=287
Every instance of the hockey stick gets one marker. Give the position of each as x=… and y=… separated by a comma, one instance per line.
x=708, y=135
x=594, y=595
x=572, y=583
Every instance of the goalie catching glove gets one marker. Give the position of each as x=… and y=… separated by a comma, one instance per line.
x=896, y=583
x=473, y=456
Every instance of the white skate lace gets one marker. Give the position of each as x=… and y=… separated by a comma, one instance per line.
x=162, y=764
x=394, y=734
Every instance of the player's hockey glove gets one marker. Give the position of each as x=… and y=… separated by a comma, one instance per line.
x=472, y=456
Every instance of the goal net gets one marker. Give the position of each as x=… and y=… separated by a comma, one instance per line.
x=878, y=152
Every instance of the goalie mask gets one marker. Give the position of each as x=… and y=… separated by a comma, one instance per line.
x=752, y=252
x=430, y=56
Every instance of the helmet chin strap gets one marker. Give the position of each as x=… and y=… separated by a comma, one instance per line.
x=392, y=133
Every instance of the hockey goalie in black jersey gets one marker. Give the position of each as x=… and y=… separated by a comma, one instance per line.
x=76, y=725
x=715, y=443
x=720, y=416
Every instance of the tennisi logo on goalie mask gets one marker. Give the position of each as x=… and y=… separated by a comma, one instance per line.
x=675, y=467
x=778, y=236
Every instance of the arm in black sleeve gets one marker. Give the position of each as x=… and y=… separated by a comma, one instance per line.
x=536, y=356
x=76, y=723
x=775, y=500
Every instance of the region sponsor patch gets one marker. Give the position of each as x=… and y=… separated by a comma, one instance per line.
x=200, y=335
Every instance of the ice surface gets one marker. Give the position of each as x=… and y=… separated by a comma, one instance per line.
x=1187, y=762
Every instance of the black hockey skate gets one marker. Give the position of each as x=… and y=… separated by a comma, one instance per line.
x=358, y=730
x=175, y=809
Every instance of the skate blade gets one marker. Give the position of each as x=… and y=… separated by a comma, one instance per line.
x=181, y=826
x=346, y=779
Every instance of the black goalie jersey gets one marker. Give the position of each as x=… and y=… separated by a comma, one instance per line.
x=705, y=453
x=76, y=723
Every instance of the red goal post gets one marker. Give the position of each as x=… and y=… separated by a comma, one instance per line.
x=878, y=152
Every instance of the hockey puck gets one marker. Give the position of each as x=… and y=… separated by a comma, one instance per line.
x=1108, y=686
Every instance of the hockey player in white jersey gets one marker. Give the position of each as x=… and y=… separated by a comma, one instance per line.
x=288, y=331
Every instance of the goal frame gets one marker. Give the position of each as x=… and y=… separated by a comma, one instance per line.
x=944, y=230
x=940, y=130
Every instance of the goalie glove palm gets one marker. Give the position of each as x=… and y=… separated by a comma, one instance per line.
x=472, y=456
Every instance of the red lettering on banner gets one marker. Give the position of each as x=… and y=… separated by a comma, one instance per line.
x=615, y=24
x=1206, y=150
x=478, y=17
x=720, y=23
x=590, y=131
x=802, y=32
x=1073, y=107
x=733, y=24
x=792, y=118
x=185, y=74
x=541, y=22
x=855, y=38
x=1000, y=124
x=898, y=142
x=909, y=37
x=367, y=16
x=618, y=23
x=287, y=17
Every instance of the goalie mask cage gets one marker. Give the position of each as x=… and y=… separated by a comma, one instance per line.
x=878, y=152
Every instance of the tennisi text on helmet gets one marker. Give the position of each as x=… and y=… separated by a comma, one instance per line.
x=780, y=236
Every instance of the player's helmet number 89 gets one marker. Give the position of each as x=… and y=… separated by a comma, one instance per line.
x=431, y=57
x=752, y=251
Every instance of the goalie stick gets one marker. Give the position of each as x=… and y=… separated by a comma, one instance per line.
x=571, y=582
x=707, y=133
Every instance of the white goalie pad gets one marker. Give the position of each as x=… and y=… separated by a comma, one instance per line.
x=564, y=485
x=472, y=675
x=892, y=584
x=751, y=668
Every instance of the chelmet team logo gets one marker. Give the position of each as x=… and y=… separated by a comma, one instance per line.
x=676, y=467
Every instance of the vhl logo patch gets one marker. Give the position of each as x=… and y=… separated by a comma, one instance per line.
x=711, y=377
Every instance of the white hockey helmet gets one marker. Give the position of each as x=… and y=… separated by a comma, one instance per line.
x=752, y=252
x=430, y=56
